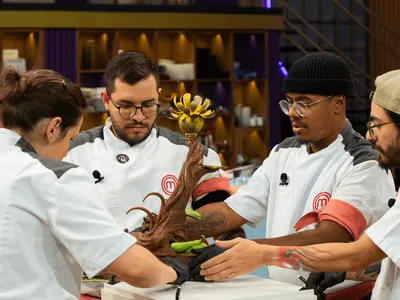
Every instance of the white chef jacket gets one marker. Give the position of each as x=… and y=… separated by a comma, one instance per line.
x=150, y=166
x=386, y=235
x=50, y=227
x=343, y=183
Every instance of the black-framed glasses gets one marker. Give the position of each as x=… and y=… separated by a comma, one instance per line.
x=299, y=107
x=371, y=95
x=371, y=127
x=128, y=111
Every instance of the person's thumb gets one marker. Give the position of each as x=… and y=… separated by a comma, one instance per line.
x=227, y=244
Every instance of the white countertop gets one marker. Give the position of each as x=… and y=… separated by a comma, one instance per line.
x=243, y=287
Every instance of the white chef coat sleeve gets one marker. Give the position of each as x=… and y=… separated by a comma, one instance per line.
x=84, y=226
x=251, y=200
x=360, y=198
x=386, y=232
x=213, y=181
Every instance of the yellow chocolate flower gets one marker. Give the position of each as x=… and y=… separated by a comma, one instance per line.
x=191, y=113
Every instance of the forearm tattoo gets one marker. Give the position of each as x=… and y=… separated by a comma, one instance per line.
x=211, y=224
x=298, y=258
x=369, y=274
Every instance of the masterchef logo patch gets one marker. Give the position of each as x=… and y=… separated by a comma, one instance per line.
x=321, y=200
x=169, y=183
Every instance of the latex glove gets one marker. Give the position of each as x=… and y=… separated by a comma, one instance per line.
x=181, y=269
x=321, y=281
x=203, y=255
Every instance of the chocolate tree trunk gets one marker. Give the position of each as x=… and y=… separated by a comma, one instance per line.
x=168, y=224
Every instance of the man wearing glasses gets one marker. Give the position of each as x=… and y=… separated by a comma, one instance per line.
x=382, y=239
x=388, y=153
x=130, y=156
x=323, y=185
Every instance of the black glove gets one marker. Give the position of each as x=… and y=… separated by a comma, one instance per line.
x=320, y=281
x=181, y=269
x=203, y=254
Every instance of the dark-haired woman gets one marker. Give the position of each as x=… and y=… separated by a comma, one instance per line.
x=50, y=227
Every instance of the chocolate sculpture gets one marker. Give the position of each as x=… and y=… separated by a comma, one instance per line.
x=160, y=231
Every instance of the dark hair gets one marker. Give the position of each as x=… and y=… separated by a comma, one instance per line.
x=393, y=116
x=130, y=67
x=35, y=95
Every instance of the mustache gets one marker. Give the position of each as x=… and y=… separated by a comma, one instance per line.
x=135, y=124
x=378, y=149
x=293, y=121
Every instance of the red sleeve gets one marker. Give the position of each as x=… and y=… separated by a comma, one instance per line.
x=212, y=185
x=346, y=215
x=340, y=212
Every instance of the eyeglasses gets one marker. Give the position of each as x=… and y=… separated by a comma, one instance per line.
x=371, y=95
x=128, y=111
x=371, y=127
x=299, y=107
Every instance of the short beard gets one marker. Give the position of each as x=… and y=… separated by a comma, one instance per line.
x=391, y=157
x=131, y=141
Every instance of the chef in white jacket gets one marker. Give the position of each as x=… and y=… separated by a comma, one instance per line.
x=380, y=241
x=130, y=156
x=322, y=185
x=50, y=226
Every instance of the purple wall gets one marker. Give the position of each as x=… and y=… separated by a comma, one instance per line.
x=249, y=50
x=60, y=51
x=274, y=87
x=218, y=92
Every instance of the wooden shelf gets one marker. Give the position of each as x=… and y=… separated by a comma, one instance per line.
x=177, y=46
x=95, y=49
x=250, y=128
x=93, y=119
x=224, y=115
x=92, y=71
x=143, y=41
x=30, y=46
x=96, y=113
x=176, y=81
x=164, y=117
x=214, y=80
x=247, y=80
x=225, y=152
x=178, y=88
x=214, y=50
x=140, y=17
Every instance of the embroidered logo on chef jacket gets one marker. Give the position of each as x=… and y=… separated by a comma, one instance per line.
x=321, y=200
x=169, y=183
x=122, y=158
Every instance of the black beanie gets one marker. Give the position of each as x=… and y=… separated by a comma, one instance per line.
x=322, y=73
